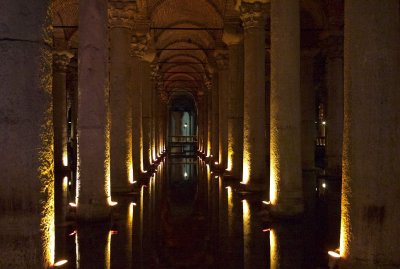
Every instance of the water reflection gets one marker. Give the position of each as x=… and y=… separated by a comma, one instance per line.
x=185, y=216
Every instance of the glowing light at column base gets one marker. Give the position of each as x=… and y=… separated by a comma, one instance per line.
x=246, y=173
x=60, y=263
x=112, y=203
x=65, y=184
x=65, y=159
x=273, y=184
x=131, y=173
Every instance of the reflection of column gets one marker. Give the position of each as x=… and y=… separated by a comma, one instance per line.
x=370, y=186
x=26, y=136
x=233, y=38
x=93, y=245
x=223, y=93
x=254, y=140
x=120, y=20
x=334, y=119
x=286, y=247
x=254, y=245
x=285, y=180
x=93, y=189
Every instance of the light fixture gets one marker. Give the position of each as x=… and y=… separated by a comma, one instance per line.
x=266, y=202
x=112, y=203
x=324, y=185
x=324, y=123
x=334, y=253
x=72, y=204
x=60, y=263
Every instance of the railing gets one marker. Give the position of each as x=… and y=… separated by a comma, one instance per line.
x=182, y=146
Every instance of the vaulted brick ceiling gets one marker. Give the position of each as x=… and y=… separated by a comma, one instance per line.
x=185, y=33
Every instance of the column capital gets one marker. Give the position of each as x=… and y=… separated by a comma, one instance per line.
x=61, y=60
x=121, y=14
x=139, y=44
x=233, y=33
x=253, y=13
x=222, y=59
x=331, y=43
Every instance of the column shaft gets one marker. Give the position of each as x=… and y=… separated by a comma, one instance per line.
x=223, y=95
x=93, y=188
x=370, y=178
x=120, y=109
x=26, y=137
x=146, y=85
x=285, y=180
x=137, y=145
x=235, y=118
x=215, y=118
x=254, y=118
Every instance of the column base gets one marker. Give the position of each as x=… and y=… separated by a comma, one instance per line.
x=93, y=212
x=253, y=187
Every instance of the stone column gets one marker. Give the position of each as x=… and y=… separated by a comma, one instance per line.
x=234, y=39
x=120, y=21
x=93, y=187
x=147, y=87
x=285, y=180
x=26, y=136
x=223, y=91
x=209, y=116
x=333, y=48
x=215, y=116
x=61, y=60
x=371, y=145
x=254, y=131
x=308, y=112
x=138, y=48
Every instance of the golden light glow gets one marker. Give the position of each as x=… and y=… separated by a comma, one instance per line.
x=129, y=226
x=230, y=208
x=73, y=204
x=60, y=263
x=246, y=172
x=65, y=184
x=345, y=228
x=107, y=162
x=334, y=254
x=112, y=203
x=108, y=251
x=131, y=173
x=65, y=159
x=273, y=250
x=246, y=229
x=266, y=202
x=273, y=181
x=77, y=252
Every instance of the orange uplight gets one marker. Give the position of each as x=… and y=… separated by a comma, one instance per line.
x=60, y=263
x=334, y=254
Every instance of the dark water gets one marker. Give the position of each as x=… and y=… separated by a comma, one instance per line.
x=187, y=217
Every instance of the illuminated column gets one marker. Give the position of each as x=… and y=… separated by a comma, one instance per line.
x=334, y=120
x=200, y=118
x=286, y=179
x=147, y=86
x=215, y=117
x=93, y=188
x=138, y=48
x=120, y=21
x=223, y=95
x=26, y=136
x=254, y=131
x=370, y=178
x=61, y=60
x=234, y=39
x=208, y=85
x=308, y=114
x=205, y=121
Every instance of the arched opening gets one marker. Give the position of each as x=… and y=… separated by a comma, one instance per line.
x=182, y=125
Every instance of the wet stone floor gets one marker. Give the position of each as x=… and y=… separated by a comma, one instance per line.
x=188, y=217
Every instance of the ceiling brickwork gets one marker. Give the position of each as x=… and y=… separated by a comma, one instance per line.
x=185, y=33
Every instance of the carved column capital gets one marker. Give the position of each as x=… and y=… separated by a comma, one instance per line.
x=331, y=43
x=61, y=60
x=121, y=14
x=253, y=14
x=139, y=44
x=233, y=33
x=222, y=59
